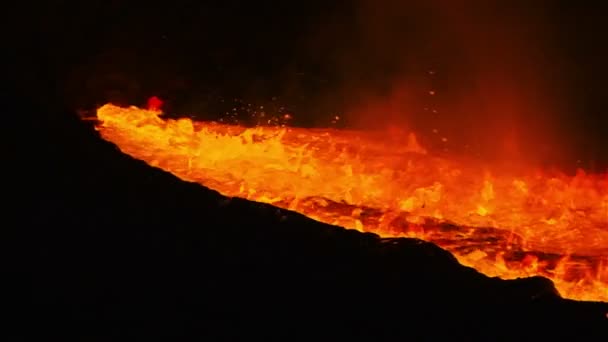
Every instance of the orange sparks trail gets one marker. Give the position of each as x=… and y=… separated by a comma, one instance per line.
x=507, y=224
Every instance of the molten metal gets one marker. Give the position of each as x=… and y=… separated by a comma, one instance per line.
x=505, y=223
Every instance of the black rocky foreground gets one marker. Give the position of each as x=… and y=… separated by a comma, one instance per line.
x=107, y=247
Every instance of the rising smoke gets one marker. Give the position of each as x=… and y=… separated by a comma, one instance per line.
x=474, y=76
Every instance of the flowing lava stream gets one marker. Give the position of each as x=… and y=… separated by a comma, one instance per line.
x=506, y=224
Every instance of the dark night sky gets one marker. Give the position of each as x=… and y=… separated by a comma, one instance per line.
x=317, y=58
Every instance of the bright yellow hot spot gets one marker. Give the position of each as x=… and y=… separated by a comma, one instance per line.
x=507, y=224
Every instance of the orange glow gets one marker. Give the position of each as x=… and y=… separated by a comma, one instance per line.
x=503, y=222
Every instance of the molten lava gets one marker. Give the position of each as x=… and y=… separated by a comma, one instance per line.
x=503, y=222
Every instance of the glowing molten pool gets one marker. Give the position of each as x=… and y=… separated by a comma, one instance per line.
x=506, y=223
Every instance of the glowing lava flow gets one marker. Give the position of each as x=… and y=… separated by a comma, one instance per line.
x=515, y=224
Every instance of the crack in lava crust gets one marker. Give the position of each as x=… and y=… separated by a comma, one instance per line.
x=503, y=223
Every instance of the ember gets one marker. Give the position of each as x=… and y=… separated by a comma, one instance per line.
x=503, y=222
